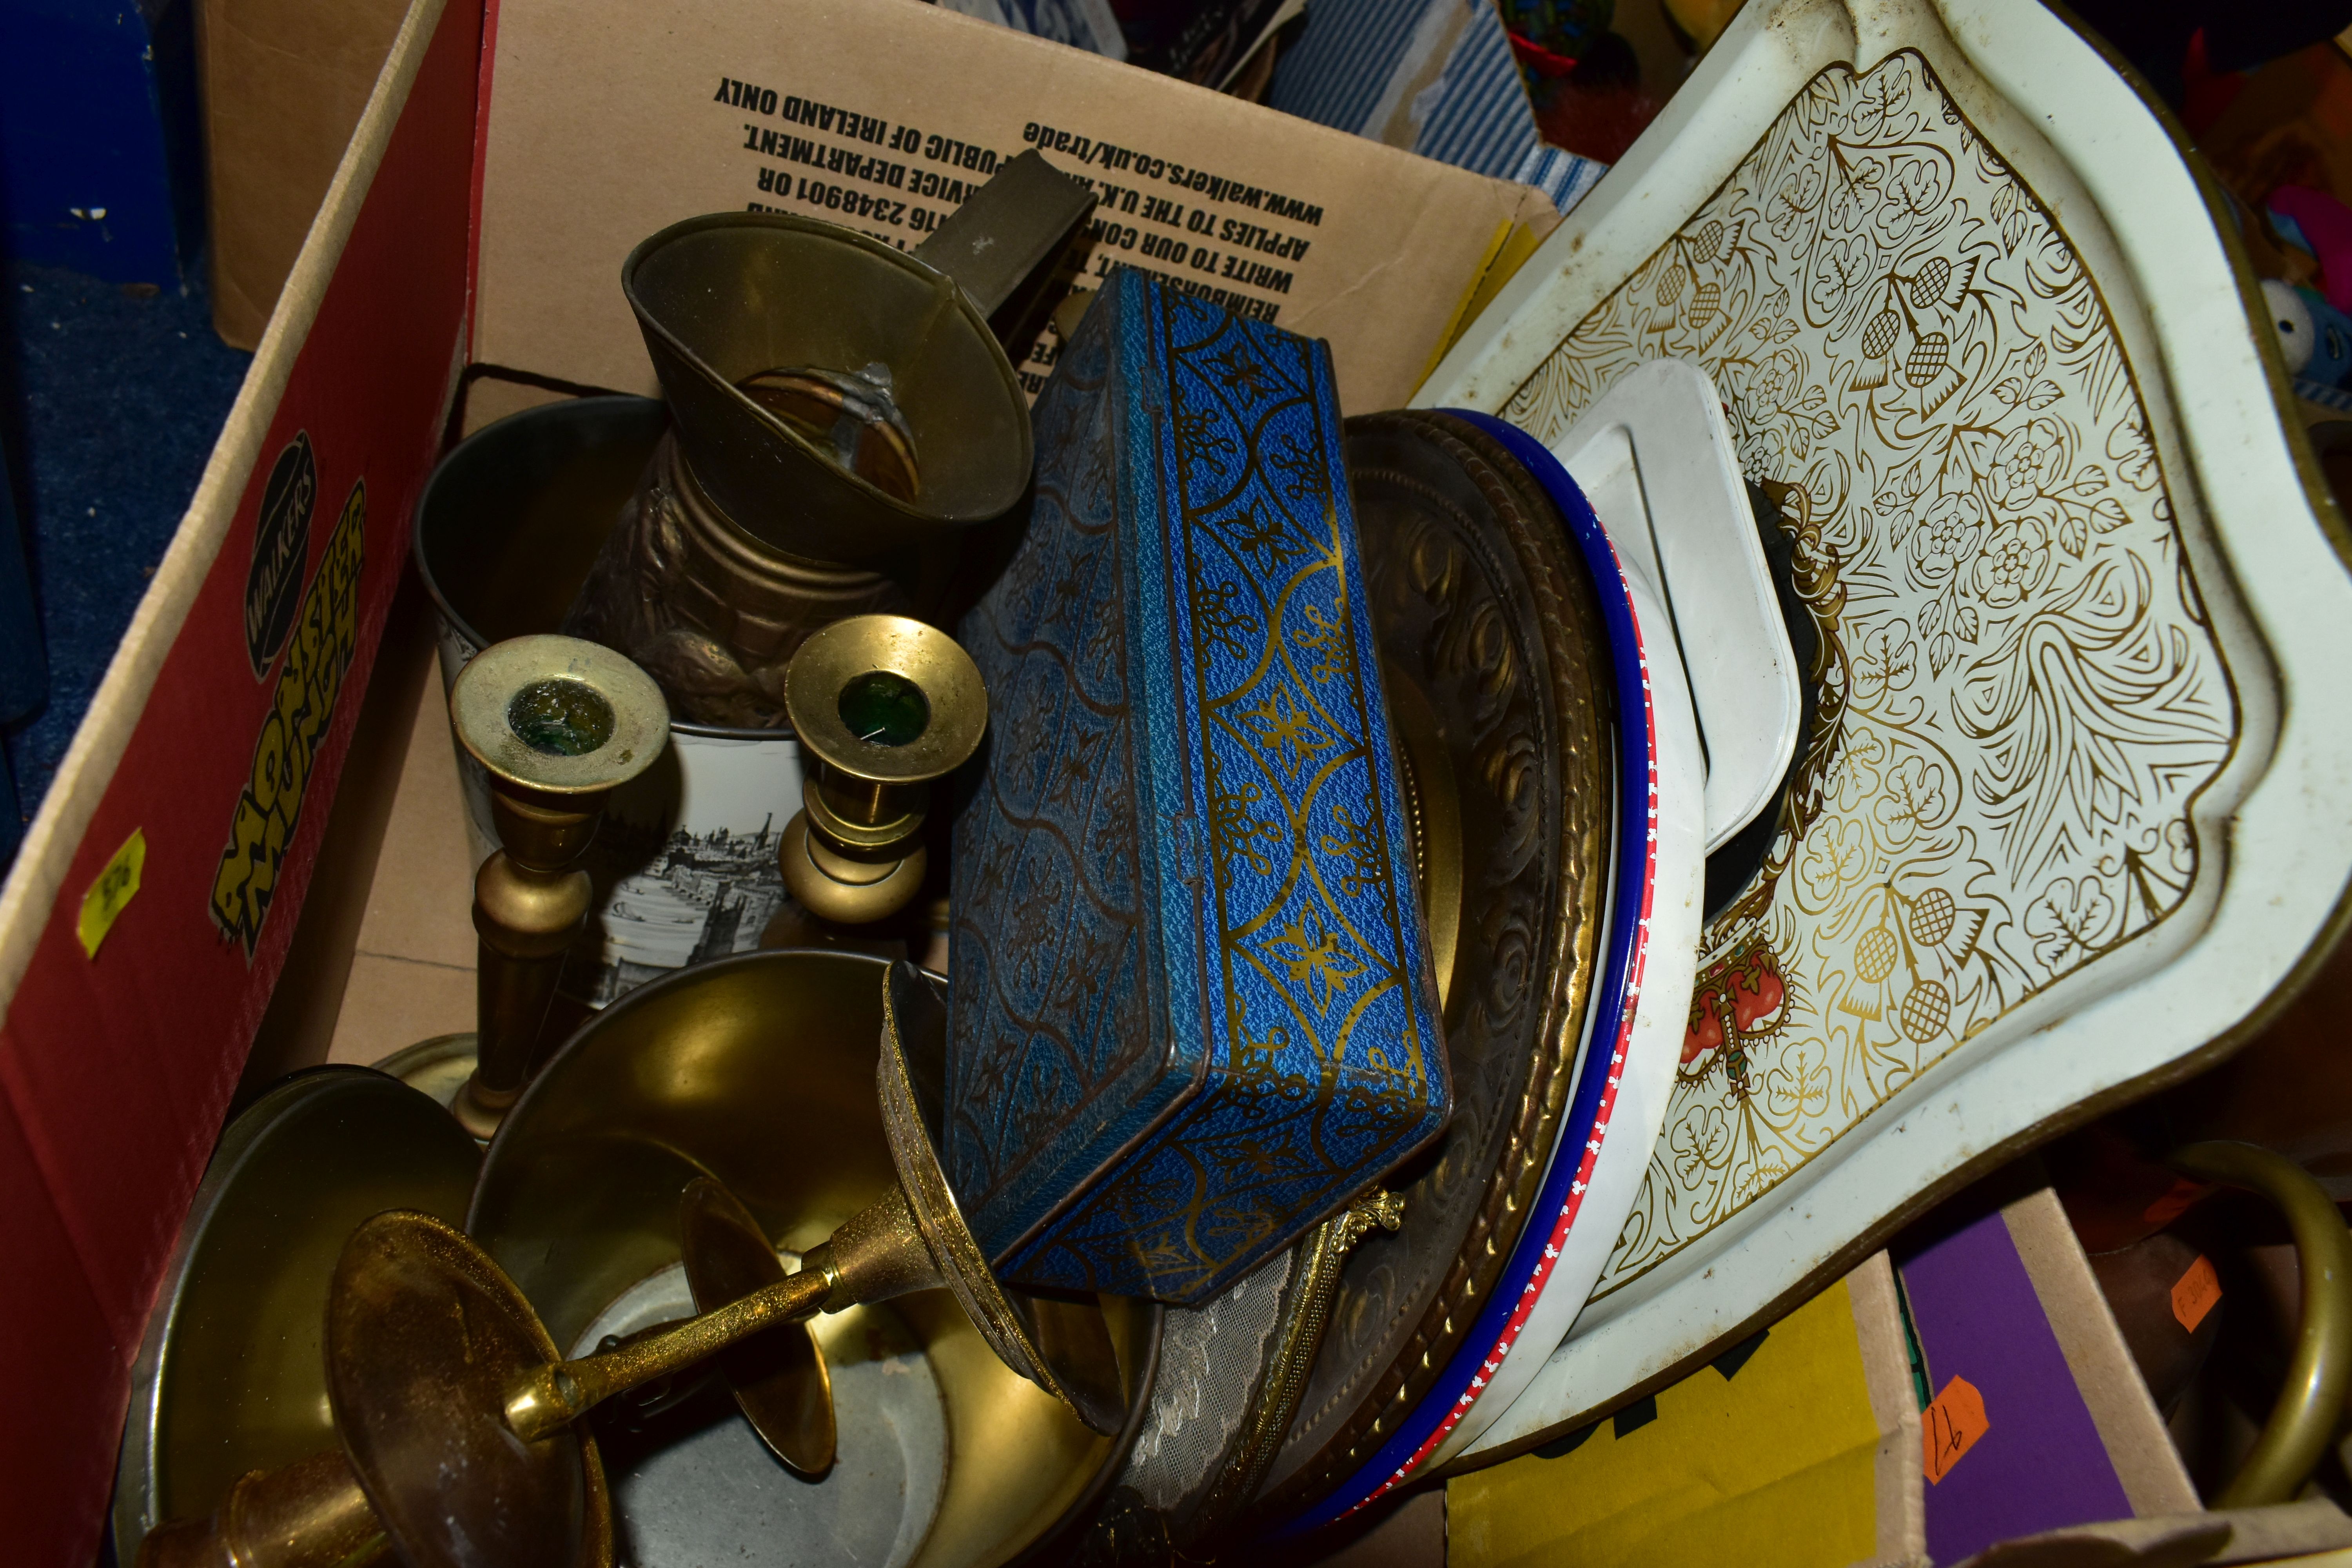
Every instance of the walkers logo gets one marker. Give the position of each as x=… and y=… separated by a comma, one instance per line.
x=326, y=633
x=281, y=545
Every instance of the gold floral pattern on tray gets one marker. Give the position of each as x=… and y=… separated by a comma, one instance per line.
x=2020, y=697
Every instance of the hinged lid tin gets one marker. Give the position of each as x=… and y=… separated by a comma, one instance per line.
x=1193, y=1004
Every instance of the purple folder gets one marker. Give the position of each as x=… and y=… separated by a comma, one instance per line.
x=2071, y=1436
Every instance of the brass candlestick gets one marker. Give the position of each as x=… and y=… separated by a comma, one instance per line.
x=457, y=1417
x=882, y=705
x=559, y=723
x=779, y=1379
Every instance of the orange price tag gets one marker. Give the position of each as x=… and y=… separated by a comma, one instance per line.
x=2194, y=1293
x=1951, y=1426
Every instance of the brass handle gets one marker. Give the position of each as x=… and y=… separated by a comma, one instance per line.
x=2304, y=1420
x=548, y=1398
x=311, y=1511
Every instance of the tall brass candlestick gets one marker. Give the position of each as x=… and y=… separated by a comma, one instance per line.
x=559, y=723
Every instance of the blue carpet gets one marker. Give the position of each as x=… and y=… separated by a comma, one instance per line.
x=110, y=404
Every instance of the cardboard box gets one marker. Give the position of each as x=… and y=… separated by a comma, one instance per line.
x=1798, y=1446
x=508, y=158
x=839, y=114
x=2038, y=1418
x=284, y=85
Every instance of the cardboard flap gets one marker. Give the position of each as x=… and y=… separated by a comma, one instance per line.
x=213, y=747
x=885, y=118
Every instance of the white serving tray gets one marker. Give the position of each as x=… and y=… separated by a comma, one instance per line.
x=2077, y=808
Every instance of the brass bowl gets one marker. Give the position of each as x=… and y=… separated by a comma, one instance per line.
x=759, y=1070
x=232, y=1376
x=512, y=520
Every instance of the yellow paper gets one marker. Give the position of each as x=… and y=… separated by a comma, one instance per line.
x=113, y=890
x=1475, y=295
x=1773, y=1466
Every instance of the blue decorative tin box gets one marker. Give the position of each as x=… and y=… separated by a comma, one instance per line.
x=1193, y=1011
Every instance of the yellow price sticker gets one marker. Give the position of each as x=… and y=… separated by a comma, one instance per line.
x=111, y=892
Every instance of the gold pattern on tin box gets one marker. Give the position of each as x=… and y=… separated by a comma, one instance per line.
x=2020, y=696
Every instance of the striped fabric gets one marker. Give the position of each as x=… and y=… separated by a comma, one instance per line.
x=1085, y=24
x=1355, y=67
x=1476, y=115
x=1339, y=70
x=2326, y=396
x=1560, y=174
x=1357, y=59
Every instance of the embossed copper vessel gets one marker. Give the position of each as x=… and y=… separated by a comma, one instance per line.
x=504, y=534
x=843, y=413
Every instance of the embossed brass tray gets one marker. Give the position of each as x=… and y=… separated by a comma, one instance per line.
x=1499, y=676
x=2076, y=809
x=701, y=1074
x=1545, y=1265
x=1491, y=633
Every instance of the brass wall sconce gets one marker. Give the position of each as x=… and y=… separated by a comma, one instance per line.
x=557, y=724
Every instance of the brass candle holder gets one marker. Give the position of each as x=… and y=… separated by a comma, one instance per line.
x=458, y=1418
x=559, y=723
x=779, y=1379
x=883, y=706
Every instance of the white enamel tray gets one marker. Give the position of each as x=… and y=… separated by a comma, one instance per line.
x=1655, y=459
x=2078, y=803
x=1625, y=1064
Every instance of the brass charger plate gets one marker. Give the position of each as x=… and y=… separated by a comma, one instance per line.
x=1492, y=649
x=436, y=1068
x=1480, y=602
x=232, y=1376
